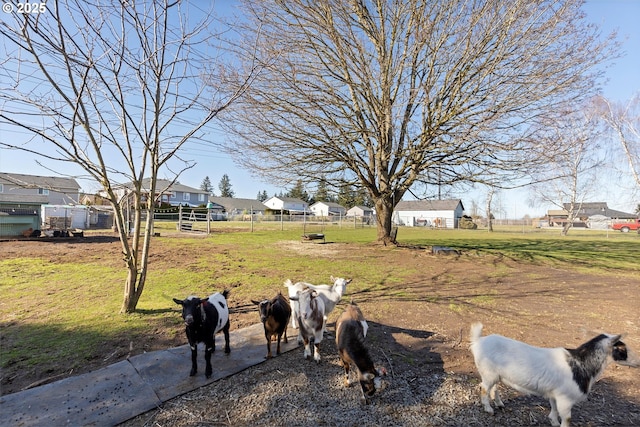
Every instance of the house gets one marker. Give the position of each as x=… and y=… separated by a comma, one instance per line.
x=235, y=206
x=360, y=211
x=22, y=197
x=328, y=209
x=56, y=190
x=174, y=194
x=428, y=213
x=587, y=215
x=290, y=204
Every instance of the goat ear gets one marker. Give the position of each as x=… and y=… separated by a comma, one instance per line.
x=368, y=376
x=256, y=302
x=178, y=301
x=333, y=279
x=348, y=281
x=294, y=298
x=381, y=371
x=616, y=338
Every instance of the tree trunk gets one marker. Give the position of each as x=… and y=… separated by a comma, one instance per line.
x=489, y=215
x=384, y=213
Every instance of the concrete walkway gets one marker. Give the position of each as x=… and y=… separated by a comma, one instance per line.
x=131, y=387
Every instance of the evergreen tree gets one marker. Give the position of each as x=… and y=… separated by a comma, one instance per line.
x=262, y=196
x=298, y=192
x=225, y=187
x=322, y=193
x=346, y=196
x=206, y=186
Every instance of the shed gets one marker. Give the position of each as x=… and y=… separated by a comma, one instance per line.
x=428, y=213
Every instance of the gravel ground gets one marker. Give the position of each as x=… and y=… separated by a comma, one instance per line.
x=291, y=391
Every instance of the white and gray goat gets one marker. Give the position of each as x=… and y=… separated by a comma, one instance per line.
x=564, y=376
x=330, y=294
x=310, y=321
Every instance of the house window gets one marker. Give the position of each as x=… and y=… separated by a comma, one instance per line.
x=43, y=191
x=186, y=197
x=201, y=197
x=173, y=195
x=1, y=188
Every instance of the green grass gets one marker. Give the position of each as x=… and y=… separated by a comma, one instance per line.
x=58, y=309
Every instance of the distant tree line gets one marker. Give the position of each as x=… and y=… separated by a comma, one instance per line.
x=347, y=195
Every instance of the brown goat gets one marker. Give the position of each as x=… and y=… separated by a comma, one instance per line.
x=274, y=315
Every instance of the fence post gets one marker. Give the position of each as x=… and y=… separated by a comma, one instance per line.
x=180, y=217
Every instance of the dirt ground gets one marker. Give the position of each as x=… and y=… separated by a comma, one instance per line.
x=418, y=331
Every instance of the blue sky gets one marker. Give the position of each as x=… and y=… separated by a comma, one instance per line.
x=623, y=82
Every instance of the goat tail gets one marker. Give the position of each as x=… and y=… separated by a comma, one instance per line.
x=476, y=332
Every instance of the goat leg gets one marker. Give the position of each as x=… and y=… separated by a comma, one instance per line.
x=225, y=331
x=268, y=337
x=278, y=347
x=194, y=359
x=207, y=357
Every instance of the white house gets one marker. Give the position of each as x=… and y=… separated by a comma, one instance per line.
x=291, y=204
x=327, y=209
x=362, y=211
x=428, y=213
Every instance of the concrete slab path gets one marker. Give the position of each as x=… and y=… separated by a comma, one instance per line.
x=131, y=387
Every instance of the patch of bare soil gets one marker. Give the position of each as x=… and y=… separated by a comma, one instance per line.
x=418, y=331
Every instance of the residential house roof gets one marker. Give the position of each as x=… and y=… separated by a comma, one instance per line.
x=236, y=205
x=599, y=208
x=54, y=183
x=165, y=185
x=428, y=205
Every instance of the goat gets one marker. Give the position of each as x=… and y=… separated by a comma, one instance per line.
x=204, y=318
x=330, y=294
x=295, y=306
x=310, y=321
x=351, y=329
x=274, y=315
x=564, y=376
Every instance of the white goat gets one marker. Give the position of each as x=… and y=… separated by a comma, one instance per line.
x=295, y=305
x=564, y=376
x=330, y=294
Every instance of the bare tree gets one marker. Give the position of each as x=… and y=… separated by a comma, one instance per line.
x=387, y=94
x=570, y=176
x=624, y=120
x=117, y=87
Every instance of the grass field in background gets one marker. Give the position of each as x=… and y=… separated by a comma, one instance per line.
x=57, y=308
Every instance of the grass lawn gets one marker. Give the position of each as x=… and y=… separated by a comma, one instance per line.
x=59, y=303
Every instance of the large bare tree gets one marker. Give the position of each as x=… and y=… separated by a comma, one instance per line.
x=386, y=94
x=624, y=120
x=571, y=175
x=117, y=87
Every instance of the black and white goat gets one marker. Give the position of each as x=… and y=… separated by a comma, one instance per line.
x=351, y=328
x=204, y=318
x=564, y=376
x=274, y=315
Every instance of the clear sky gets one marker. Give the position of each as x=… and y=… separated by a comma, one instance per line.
x=623, y=82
